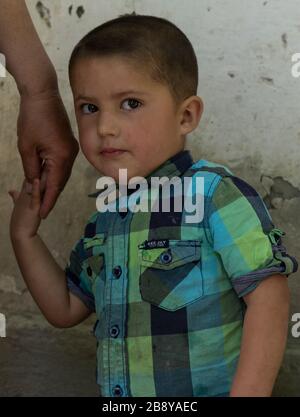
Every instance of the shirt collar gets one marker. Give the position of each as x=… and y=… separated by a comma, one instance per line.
x=175, y=166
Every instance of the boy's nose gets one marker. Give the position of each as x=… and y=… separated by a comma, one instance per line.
x=107, y=125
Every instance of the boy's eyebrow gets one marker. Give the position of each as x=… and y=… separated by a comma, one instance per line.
x=124, y=93
x=115, y=95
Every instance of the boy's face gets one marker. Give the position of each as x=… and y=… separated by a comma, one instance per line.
x=137, y=130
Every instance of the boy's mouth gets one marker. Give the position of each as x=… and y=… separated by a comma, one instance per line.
x=110, y=152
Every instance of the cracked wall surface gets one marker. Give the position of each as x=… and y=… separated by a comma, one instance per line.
x=250, y=123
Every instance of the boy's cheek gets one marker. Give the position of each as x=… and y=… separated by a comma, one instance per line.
x=86, y=147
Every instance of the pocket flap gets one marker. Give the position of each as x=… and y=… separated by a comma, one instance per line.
x=176, y=253
x=170, y=277
x=97, y=240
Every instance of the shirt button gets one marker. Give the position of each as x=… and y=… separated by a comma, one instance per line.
x=117, y=391
x=114, y=331
x=117, y=272
x=166, y=257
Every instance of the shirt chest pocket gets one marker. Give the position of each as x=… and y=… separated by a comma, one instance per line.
x=170, y=277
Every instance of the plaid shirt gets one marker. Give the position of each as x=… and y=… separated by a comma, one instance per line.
x=168, y=294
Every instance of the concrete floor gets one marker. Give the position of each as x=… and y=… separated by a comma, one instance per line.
x=288, y=381
x=47, y=363
x=38, y=360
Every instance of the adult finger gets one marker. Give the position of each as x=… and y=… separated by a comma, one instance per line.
x=35, y=201
x=56, y=175
x=31, y=162
x=49, y=200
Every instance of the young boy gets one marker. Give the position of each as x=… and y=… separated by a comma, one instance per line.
x=183, y=309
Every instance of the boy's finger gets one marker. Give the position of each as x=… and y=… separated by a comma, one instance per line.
x=27, y=187
x=35, y=195
x=14, y=195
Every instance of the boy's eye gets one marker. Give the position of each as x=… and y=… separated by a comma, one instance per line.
x=132, y=103
x=88, y=108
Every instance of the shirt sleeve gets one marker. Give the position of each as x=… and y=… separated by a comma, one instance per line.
x=77, y=279
x=244, y=236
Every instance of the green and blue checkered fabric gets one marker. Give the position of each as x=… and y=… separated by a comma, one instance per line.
x=168, y=294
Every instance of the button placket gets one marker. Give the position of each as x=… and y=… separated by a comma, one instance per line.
x=115, y=295
x=114, y=331
x=117, y=391
x=117, y=272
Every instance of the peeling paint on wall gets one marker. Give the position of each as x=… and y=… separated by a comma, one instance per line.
x=44, y=13
x=278, y=189
x=284, y=39
x=267, y=80
x=80, y=11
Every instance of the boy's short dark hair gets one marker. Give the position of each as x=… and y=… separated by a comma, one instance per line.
x=154, y=44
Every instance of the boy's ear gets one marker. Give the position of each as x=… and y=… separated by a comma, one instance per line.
x=190, y=114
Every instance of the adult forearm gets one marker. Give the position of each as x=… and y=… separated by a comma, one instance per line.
x=26, y=58
x=263, y=344
x=44, y=278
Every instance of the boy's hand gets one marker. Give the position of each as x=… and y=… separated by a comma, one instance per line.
x=25, y=219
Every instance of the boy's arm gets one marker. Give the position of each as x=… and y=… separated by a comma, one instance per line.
x=264, y=338
x=47, y=283
x=45, y=279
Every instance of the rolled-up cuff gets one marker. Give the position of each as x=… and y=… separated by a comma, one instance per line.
x=247, y=283
x=88, y=300
x=282, y=263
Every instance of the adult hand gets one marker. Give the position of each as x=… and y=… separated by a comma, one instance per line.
x=46, y=144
